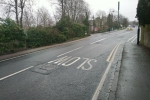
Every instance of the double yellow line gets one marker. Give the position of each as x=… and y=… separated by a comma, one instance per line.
x=113, y=53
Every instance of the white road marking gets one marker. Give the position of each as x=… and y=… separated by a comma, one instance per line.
x=75, y=59
x=134, y=39
x=99, y=40
x=86, y=59
x=18, y=56
x=63, y=60
x=15, y=73
x=131, y=38
x=89, y=65
x=95, y=96
x=70, y=51
x=58, y=60
x=41, y=50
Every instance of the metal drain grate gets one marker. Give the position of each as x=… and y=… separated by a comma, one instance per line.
x=45, y=69
x=48, y=67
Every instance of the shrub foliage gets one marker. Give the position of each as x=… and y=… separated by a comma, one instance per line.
x=143, y=12
x=13, y=38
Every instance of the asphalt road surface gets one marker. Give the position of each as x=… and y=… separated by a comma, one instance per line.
x=73, y=71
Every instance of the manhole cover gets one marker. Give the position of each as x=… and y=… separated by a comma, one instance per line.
x=45, y=69
x=48, y=67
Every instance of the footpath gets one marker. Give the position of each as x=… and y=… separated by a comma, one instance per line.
x=134, y=75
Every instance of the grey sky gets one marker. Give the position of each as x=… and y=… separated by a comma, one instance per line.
x=127, y=7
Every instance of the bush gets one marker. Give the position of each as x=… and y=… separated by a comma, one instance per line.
x=79, y=30
x=43, y=36
x=143, y=12
x=12, y=37
x=70, y=29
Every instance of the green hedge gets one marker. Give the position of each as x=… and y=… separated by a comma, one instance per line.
x=12, y=37
x=143, y=12
x=43, y=36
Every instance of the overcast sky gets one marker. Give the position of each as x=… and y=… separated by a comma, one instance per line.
x=127, y=7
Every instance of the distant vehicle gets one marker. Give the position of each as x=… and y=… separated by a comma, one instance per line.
x=129, y=28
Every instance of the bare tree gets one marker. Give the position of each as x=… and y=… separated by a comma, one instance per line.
x=44, y=18
x=29, y=19
x=17, y=7
x=101, y=19
x=75, y=9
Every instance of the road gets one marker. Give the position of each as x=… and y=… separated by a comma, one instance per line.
x=78, y=70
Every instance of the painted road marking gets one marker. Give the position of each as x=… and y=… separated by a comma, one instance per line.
x=134, y=39
x=87, y=60
x=18, y=56
x=68, y=61
x=95, y=96
x=74, y=60
x=112, y=53
x=131, y=38
x=69, y=51
x=15, y=73
x=99, y=40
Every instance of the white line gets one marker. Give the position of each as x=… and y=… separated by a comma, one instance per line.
x=95, y=96
x=131, y=38
x=69, y=51
x=41, y=50
x=15, y=73
x=99, y=41
x=134, y=39
x=18, y=56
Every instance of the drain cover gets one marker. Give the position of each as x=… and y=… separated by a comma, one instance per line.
x=48, y=67
x=45, y=69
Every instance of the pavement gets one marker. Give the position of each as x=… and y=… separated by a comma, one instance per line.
x=128, y=78
x=133, y=80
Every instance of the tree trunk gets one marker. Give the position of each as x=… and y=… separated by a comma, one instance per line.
x=16, y=11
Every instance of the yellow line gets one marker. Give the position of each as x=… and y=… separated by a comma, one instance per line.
x=98, y=90
x=115, y=52
x=111, y=54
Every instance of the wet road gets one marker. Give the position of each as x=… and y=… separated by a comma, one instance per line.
x=73, y=71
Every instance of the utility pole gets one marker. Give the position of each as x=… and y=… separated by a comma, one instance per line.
x=118, y=14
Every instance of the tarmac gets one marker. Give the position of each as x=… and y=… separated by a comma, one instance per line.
x=133, y=81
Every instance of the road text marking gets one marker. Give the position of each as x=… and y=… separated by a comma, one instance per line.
x=68, y=61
